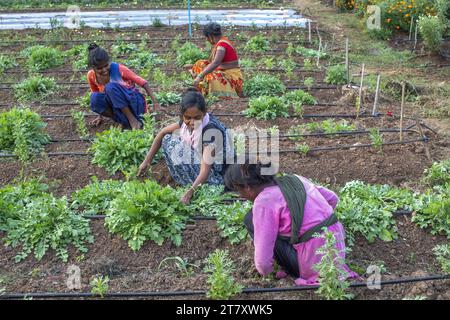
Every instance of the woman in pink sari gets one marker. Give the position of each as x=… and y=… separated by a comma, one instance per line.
x=282, y=234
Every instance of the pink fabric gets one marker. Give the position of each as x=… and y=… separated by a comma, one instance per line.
x=271, y=217
x=193, y=138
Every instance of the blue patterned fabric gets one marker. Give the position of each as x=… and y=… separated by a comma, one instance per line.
x=184, y=162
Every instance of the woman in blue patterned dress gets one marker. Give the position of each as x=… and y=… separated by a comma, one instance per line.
x=195, y=148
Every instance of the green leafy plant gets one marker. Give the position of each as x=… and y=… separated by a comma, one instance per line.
x=274, y=130
x=442, y=253
x=230, y=220
x=79, y=56
x=438, y=173
x=266, y=108
x=47, y=222
x=78, y=118
x=308, y=83
x=308, y=65
x=186, y=269
x=35, y=88
x=290, y=49
x=164, y=81
x=434, y=212
x=14, y=198
x=84, y=101
x=268, y=62
x=298, y=97
x=310, y=53
x=96, y=197
x=207, y=200
x=22, y=133
x=368, y=209
x=167, y=98
x=221, y=284
x=247, y=63
x=258, y=43
x=157, y=23
x=303, y=148
x=336, y=75
x=263, y=85
x=116, y=150
x=288, y=66
x=431, y=29
x=331, y=275
x=146, y=211
x=7, y=62
x=376, y=138
x=144, y=62
x=326, y=126
x=42, y=58
x=122, y=47
x=99, y=285
x=189, y=53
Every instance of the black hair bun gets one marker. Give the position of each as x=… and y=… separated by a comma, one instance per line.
x=192, y=89
x=92, y=46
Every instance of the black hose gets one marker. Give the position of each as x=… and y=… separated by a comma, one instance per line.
x=347, y=146
x=143, y=294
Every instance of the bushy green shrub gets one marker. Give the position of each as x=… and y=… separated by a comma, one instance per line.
x=336, y=74
x=122, y=151
x=431, y=29
x=189, y=53
x=7, y=62
x=221, y=284
x=22, y=133
x=146, y=211
x=35, y=88
x=263, y=85
x=258, y=43
x=267, y=108
x=42, y=58
x=46, y=223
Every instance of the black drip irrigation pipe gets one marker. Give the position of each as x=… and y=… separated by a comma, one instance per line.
x=165, y=69
x=369, y=145
x=398, y=213
x=143, y=294
x=85, y=154
x=319, y=134
x=52, y=154
x=83, y=85
x=341, y=133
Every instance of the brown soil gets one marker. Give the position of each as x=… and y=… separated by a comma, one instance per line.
x=410, y=255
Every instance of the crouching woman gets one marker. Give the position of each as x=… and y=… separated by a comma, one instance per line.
x=286, y=212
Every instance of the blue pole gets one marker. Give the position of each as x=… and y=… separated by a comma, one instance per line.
x=189, y=17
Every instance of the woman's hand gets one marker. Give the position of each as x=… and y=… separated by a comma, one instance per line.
x=143, y=168
x=186, y=198
x=197, y=81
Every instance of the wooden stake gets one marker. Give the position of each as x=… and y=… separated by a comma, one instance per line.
x=401, y=111
x=376, y=95
x=415, y=37
x=411, y=28
x=318, y=54
x=425, y=145
x=309, y=31
x=347, y=64
x=361, y=89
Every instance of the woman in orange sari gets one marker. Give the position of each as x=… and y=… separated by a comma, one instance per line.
x=220, y=75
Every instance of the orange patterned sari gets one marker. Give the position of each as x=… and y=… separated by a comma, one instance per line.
x=222, y=83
